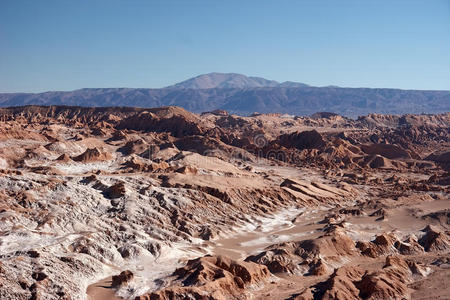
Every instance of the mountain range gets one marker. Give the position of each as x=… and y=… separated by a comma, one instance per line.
x=231, y=80
x=244, y=95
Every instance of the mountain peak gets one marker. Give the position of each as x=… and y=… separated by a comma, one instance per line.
x=224, y=80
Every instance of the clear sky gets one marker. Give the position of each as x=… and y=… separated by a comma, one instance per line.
x=65, y=45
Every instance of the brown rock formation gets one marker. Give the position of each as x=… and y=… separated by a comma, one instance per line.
x=302, y=140
x=64, y=158
x=434, y=239
x=175, y=120
x=213, y=278
x=117, y=190
x=381, y=245
x=313, y=254
x=123, y=278
x=92, y=155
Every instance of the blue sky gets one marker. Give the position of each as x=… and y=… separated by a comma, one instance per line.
x=66, y=45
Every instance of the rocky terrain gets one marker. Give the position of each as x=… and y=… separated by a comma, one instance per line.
x=244, y=95
x=134, y=203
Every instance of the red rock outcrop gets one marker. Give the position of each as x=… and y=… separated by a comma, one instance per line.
x=434, y=239
x=134, y=147
x=117, y=190
x=309, y=256
x=212, y=277
x=92, y=155
x=391, y=282
x=64, y=158
x=382, y=245
x=442, y=158
x=386, y=150
x=302, y=140
x=136, y=164
x=175, y=120
x=123, y=278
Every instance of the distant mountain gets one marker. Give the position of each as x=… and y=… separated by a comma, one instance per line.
x=244, y=95
x=292, y=84
x=224, y=81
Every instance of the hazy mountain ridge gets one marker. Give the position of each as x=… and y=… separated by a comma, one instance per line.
x=243, y=95
x=224, y=80
x=231, y=80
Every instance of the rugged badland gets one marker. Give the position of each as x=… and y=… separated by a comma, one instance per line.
x=130, y=203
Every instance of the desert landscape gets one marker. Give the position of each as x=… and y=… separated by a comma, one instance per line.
x=161, y=203
x=224, y=150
